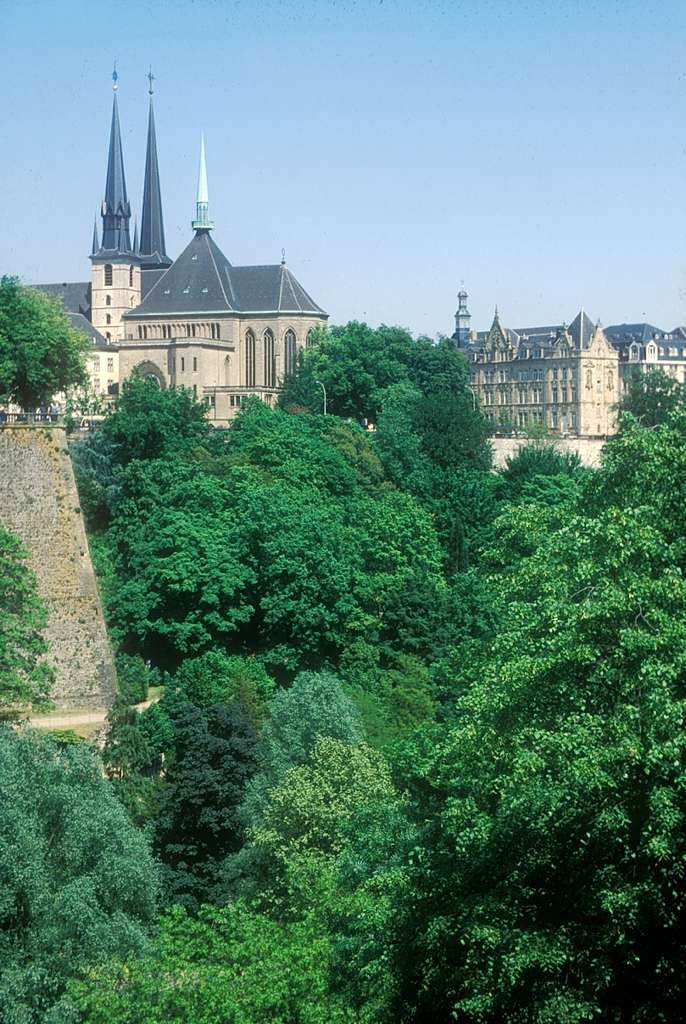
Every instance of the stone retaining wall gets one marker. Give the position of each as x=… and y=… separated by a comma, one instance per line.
x=39, y=503
x=588, y=449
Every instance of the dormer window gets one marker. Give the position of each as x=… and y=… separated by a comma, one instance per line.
x=194, y=256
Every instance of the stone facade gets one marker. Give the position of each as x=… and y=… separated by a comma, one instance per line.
x=115, y=289
x=103, y=370
x=565, y=379
x=39, y=503
x=222, y=361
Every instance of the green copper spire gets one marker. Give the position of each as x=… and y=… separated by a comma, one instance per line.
x=202, y=220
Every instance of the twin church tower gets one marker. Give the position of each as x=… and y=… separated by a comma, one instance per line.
x=123, y=271
x=197, y=321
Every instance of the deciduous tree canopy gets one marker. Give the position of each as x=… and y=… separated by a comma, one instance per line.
x=40, y=354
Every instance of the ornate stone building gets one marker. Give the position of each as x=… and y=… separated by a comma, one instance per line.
x=644, y=346
x=223, y=331
x=563, y=378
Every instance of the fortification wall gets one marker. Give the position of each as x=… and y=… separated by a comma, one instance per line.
x=588, y=449
x=39, y=502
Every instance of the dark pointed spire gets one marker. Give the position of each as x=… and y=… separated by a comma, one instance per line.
x=135, y=237
x=96, y=243
x=115, y=206
x=152, y=246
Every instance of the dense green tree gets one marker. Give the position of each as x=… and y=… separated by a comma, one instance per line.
x=40, y=353
x=540, y=473
x=133, y=756
x=314, y=706
x=547, y=885
x=134, y=677
x=196, y=825
x=224, y=966
x=77, y=882
x=356, y=363
x=98, y=477
x=218, y=678
x=435, y=446
x=394, y=700
x=25, y=677
x=651, y=396
x=217, y=551
x=150, y=422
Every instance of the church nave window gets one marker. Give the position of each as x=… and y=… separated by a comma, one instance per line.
x=289, y=352
x=249, y=361
x=269, y=360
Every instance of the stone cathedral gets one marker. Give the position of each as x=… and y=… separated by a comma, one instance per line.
x=199, y=322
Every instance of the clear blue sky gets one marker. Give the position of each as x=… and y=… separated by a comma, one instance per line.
x=535, y=150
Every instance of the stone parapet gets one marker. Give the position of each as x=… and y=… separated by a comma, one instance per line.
x=589, y=449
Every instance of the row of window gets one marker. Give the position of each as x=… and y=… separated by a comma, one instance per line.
x=109, y=278
x=191, y=330
x=96, y=364
x=269, y=356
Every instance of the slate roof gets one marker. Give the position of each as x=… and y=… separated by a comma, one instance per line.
x=115, y=209
x=152, y=247
x=202, y=281
x=80, y=323
x=149, y=277
x=76, y=295
x=581, y=330
x=624, y=334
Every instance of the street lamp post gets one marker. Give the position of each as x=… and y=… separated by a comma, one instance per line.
x=473, y=394
x=323, y=392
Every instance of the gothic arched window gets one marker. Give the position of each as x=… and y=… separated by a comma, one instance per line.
x=249, y=361
x=309, y=340
x=289, y=352
x=108, y=300
x=269, y=360
x=108, y=275
x=108, y=319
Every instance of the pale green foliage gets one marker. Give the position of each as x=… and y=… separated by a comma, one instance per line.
x=313, y=706
x=310, y=808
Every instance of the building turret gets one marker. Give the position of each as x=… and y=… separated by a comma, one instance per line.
x=152, y=246
x=463, y=319
x=115, y=274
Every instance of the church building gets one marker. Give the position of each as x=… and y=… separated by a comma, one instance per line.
x=223, y=331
